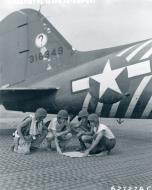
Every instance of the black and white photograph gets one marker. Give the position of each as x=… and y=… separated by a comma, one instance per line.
x=75, y=95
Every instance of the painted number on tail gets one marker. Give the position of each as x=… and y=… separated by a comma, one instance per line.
x=39, y=56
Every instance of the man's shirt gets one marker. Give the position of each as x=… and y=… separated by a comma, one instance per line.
x=55, y=126
x=106, y=131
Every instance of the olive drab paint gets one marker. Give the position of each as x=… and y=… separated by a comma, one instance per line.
x=39, y=68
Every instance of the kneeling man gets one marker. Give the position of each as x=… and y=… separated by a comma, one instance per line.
x=30, y=132
x=103, y=138
x=83, y=129
x=59, y=130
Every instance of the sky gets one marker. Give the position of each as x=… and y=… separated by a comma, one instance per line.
x=89, y=26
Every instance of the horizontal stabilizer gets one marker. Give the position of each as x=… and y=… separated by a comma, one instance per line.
x=22, y=94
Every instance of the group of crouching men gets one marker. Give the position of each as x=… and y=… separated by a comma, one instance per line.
x=93, y=136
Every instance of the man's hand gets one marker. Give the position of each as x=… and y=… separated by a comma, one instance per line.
x=57, y=145
x=80, y=134
x=58, y=134
x=58, y=150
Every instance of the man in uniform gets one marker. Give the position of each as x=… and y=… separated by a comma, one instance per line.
x=30, y=132
x=82, y=129
x=103, y=139
x=59, y=130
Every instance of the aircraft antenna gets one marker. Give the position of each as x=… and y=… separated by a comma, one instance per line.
x=40, y=7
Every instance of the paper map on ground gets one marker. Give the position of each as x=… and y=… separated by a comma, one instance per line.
x=75, y=154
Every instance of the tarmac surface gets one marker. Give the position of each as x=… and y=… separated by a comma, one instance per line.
x=128, y=167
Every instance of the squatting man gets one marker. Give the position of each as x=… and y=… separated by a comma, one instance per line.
x=93, y=136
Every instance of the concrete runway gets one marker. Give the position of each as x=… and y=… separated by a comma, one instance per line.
x=129, y=165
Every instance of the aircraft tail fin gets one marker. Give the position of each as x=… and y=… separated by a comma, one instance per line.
x=36, y=47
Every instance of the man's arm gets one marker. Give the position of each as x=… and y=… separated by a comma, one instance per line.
x=91, y=132
x=56, y=142
x=57, y=145
x=94, y=144
x=58, y=134
x=21, y=125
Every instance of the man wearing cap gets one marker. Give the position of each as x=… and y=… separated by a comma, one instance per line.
x=82, y=129
x=59, y=130
x=103, y=139
x=30, y=132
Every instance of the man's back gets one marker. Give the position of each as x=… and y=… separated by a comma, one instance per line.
x=106, y=131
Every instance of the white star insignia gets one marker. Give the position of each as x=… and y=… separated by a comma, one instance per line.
x=107, y=79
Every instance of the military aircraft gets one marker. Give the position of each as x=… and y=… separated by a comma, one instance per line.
x=39, y=68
